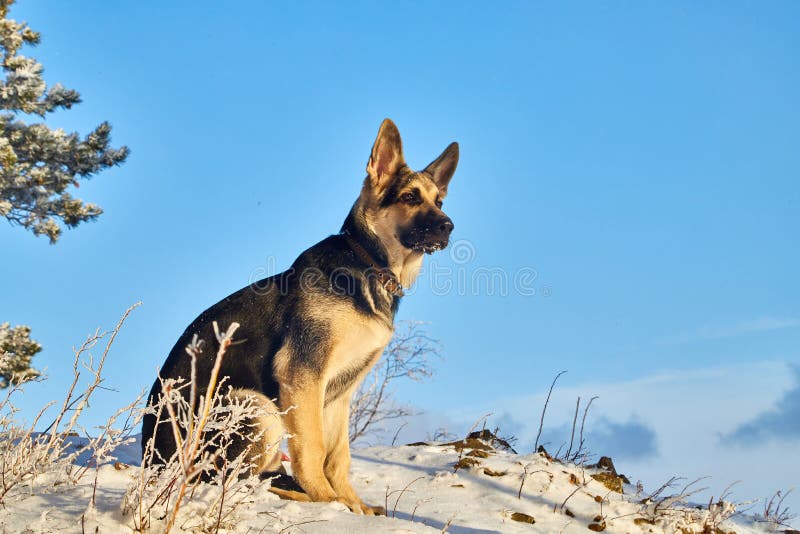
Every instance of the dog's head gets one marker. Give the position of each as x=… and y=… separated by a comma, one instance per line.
x=404, y=207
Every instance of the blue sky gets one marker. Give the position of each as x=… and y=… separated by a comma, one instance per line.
x=642, y=158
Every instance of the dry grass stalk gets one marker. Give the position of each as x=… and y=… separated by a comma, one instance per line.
x=43, y=461
x=544, y=411
x=408, y=355
x=775, y=513
x=204, y=428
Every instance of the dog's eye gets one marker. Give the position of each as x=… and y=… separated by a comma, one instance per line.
x=439, y=203
x=409, y=198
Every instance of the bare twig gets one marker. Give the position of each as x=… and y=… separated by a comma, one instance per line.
x=408, y=355
x=194, y=441
x=574, y=424
x=544, y=410
x=446, y=526
x=524, y=476
x=417, y=505
x=774, y=511
x=576, y=490
x=401, y=492
x=204, y=427
x=25, y=454
x=397, y=432
x=286, y=529
x=581, y=442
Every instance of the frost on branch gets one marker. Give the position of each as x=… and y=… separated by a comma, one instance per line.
x=39, y=164
x=16, y=350
x=35, y=462
x=373, y=406
x=207, y=428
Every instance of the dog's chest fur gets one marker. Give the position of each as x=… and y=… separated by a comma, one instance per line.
x=357, y=343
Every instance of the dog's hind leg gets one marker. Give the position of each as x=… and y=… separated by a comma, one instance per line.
x=290, y=495
x=266, y=429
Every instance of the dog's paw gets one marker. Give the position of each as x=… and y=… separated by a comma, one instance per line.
x=355, y=506
x=372, y=510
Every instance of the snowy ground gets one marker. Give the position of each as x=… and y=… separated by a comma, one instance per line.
x=482, y=496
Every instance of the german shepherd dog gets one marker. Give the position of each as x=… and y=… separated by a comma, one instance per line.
x=308, y=336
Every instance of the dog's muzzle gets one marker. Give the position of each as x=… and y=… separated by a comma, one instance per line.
x=432, y=237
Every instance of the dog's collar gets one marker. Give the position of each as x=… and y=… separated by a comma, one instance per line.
x=385, y=276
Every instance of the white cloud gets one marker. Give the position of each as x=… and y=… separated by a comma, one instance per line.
x=781, y=421
x=762, y=324
x=752, y=326
x=688, y=411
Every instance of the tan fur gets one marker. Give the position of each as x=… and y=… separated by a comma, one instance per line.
x=319, y=444
x=355, y=337
x=304, y=403
x=318, y=408
x=265, y=453
x=405, y=263
x=290, y=495
x=337, y=462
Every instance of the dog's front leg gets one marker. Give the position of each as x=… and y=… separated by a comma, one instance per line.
x=304, y=399
x=337, y=460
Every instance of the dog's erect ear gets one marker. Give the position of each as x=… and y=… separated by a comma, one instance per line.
x=443, y=167
x=387, y=154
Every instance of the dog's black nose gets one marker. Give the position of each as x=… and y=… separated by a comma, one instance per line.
x=446, y=226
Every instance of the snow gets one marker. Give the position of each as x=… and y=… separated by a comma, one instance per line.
x=418, y=485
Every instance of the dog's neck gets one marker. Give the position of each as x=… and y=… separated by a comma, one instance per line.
x=406, y=264
x=385, y=249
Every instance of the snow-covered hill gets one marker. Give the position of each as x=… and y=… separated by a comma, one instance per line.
x=422, y=490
